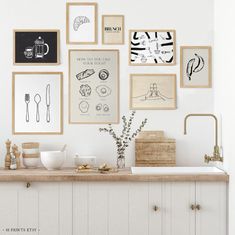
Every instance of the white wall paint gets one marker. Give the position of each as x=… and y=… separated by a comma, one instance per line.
x=224, y=90
x=194, y=26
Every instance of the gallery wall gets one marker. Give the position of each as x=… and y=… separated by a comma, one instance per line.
x=194, y=26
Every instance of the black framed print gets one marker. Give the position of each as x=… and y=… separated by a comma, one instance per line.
x=36, y=47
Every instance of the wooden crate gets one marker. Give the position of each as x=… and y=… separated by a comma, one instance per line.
x=153, y=149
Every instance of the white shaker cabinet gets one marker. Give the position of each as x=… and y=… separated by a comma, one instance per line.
x=142, y=208
x=40, y=208
x=114, y=208
x=194, y=208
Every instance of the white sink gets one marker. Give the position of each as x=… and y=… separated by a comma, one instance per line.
x=176, y=170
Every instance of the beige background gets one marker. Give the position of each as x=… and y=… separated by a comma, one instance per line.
x=114, y=37
x=140, y=85
x=97, y=60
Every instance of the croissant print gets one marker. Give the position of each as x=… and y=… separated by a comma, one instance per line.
x=194, y=65
x=78, y=21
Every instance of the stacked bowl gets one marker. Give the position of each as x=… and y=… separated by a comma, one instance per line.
x=31, y=154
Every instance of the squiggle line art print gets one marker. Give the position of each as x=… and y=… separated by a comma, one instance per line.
x=194, y=65
x=152, y=47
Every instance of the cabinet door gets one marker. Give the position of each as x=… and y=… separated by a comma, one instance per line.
x=43, y=208
x=100, y=208
x=143, y=218
x=211, y=218
x=8, y=207
x=178, y=217
x=138, y=209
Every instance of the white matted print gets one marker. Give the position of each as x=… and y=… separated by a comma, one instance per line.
x=195, y=67
x=153, y=91
x=81, y=23
x=37, y=103
x=152, y=47
x=93, y=86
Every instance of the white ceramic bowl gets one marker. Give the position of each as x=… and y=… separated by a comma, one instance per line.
x=31, y=162
x=84, y=160
x=53, y=160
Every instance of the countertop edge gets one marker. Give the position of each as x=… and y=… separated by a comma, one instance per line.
x=123, y=176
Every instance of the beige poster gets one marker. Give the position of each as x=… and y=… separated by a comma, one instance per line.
x=94, y=86
x=153, y=91
x=195, y=67
x=113, y=29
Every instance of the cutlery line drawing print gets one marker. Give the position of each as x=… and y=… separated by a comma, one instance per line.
x=27, y=101
x=48, y=102
x=37, y=100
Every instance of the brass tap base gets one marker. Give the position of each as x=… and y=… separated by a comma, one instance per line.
x=216, y=156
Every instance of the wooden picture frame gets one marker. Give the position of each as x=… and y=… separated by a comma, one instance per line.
x=195, y=67
x=93, y=86
x=37, y=107
x=36, y=47
x=153, y=91
x=81, y=28
x=113, y=29
x=148, y=47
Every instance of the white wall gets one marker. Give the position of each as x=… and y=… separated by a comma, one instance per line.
x=224, y=90
x=194, y=26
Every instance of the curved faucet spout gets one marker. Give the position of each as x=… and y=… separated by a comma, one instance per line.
x=203, y=115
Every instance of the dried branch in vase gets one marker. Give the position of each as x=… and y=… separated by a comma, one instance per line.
x=122, y=141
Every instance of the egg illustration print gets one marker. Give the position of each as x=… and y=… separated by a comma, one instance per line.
x=84, y=107
x=103, y=91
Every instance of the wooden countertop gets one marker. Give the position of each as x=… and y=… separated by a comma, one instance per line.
x=69, y=174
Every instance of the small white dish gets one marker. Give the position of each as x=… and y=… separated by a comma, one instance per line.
x=84, y=160
x=31, y=162
x=53, y=160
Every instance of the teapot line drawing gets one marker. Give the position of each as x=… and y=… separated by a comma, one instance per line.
x=38, y=50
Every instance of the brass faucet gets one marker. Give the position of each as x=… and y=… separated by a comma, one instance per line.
x=216, y=154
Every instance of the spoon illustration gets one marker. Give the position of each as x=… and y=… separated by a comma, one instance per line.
x=37, y=100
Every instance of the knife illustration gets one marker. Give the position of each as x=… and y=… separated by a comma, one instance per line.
x=48, y=102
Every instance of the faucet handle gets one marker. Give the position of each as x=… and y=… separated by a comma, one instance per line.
x=207, y=158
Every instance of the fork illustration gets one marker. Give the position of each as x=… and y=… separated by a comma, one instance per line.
x=27, y=100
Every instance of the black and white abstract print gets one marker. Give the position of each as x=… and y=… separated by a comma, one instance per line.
x=152, y=47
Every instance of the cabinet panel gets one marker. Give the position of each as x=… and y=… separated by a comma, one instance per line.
x=155, y=216
x=8, y=207
x=28, y=208
x=178, y=218
x=118, y=209
x=211, y=218
x=80, y=208
x=138, y=209
x=98, y=209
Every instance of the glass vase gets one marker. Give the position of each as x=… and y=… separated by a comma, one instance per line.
x=121, y=161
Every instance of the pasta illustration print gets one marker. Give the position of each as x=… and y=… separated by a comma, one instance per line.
x=155, y=47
